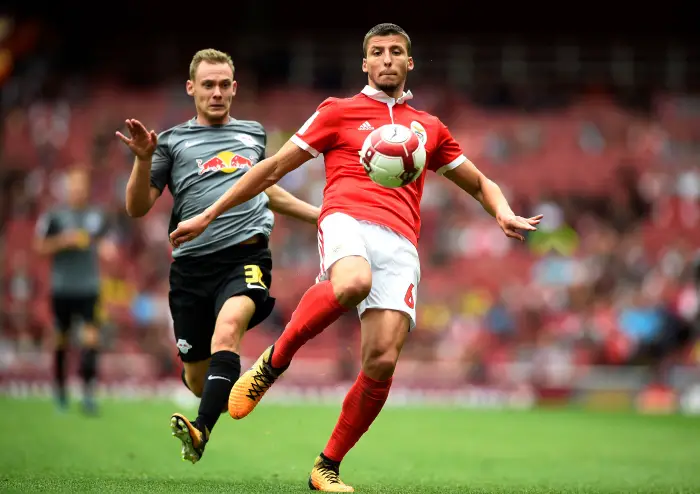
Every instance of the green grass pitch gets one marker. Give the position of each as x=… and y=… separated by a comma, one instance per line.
x=408, y=450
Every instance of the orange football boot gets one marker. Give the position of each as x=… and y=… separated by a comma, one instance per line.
x=193, y=440
x=252, y=385
x=325, y=477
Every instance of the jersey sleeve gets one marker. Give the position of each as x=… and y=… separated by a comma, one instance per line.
x=448, y=153
x=46, y=226
x=320, y=132
x=162, y=162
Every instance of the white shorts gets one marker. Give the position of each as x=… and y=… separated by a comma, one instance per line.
x=392, y=258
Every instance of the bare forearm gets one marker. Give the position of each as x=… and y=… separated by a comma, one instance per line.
x=138, y=189
x=492, y=199
x=283, y=202
x=50, y=245
x=257, y=180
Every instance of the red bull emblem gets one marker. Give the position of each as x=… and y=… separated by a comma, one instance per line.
x=226, y=162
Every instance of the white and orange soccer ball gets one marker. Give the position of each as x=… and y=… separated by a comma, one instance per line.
x=393, y=156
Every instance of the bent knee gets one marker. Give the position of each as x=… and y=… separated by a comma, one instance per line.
x=227, y=336
x=353, y=289
x=380, y=365
x=232, y=323
x=352, y=281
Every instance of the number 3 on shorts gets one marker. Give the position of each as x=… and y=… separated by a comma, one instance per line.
x=409, y=297
x=254, y=276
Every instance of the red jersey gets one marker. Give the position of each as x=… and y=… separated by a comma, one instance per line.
x=337, y=130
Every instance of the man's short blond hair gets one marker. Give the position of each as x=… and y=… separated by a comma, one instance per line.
x=209, y=55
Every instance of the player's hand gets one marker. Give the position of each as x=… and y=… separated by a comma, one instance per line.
x=142, y=142
x=511, y=224
x=188, y=230
x=75, y=239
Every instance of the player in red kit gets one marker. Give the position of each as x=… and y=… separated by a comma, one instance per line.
x=367, y=238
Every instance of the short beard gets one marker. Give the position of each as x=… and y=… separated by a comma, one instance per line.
x=387, y=88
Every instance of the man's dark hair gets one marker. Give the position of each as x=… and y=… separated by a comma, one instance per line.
x=385, y=29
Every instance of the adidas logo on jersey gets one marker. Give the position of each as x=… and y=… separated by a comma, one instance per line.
x=365, y=126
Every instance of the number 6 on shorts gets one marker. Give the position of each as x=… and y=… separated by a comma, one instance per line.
x=408, y=298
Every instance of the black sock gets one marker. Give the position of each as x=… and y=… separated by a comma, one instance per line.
x=59, y=372
x=88, y=368
x=224, y=370
x=328, y=460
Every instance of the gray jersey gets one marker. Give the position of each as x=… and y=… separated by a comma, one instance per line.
x=75, y=272
x=199, y=163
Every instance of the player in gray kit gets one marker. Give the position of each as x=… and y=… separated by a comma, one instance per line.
x=71, y=235
x=220, y=284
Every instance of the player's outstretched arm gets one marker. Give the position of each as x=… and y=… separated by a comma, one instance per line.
x=470, y=179
x=283, y=202
x=263, y=176
x=140, y=196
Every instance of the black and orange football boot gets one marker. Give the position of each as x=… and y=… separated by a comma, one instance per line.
x=325, y=476
x=193, y=440
x=249, y=389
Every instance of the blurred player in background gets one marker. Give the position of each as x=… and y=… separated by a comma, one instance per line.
x=219, y=284
x=367, y=238
x=73, y=236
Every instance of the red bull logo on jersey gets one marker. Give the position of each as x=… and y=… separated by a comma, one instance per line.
x=226, y=162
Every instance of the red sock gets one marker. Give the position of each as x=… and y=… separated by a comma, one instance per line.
x=317, y=310
x=361, y=406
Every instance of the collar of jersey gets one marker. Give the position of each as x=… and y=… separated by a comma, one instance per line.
x=378, y=95
x=194, y=123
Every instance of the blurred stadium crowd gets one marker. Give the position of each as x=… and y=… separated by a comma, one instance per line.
x=611, y=278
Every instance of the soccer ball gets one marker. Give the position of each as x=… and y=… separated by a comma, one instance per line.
x=393, y=156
